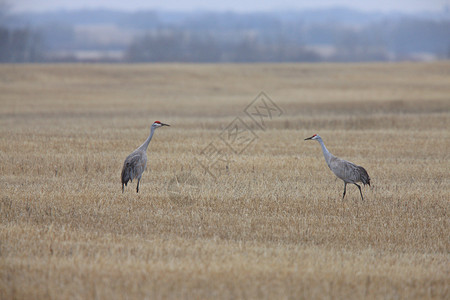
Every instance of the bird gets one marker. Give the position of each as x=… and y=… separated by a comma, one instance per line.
x=345, y=170
x=136, y=163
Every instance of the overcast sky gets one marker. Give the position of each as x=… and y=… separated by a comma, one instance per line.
x=232, y=5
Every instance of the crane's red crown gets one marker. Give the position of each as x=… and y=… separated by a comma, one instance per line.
x=157, y=122
x=314, y=135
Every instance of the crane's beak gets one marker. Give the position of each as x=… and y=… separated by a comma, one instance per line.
x=309, y=138
x=162, y=124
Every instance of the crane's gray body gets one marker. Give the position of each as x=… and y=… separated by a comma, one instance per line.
x=345, y=170
x=133, y=167
x=136, y=163
x=348, y=171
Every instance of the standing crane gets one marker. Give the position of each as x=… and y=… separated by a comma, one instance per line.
x=136, y=163
x=345, y=170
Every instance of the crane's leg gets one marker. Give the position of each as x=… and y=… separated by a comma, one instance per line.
x=137, y=187
x=345, y=188
x=362, y=198
x=122, y=187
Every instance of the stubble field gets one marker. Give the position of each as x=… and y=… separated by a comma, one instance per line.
x=253, y=213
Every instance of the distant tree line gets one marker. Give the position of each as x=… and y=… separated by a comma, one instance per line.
x=266, y=40
x=20, y=45
x=225, y=37
x=185, y=46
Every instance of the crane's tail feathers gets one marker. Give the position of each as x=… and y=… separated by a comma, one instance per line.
x=127, y=175
x=364, y=176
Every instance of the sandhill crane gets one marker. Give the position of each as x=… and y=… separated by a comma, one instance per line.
x=345, y=170
x=136, y=162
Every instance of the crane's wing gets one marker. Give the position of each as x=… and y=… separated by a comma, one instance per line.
x=348, y=171
x=132, y=167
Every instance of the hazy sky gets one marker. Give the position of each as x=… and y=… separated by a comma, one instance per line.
x=234, y=5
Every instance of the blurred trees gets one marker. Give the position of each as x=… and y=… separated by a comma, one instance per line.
x=229, y=37
x=149, y=36
x=18, y=44
x=173, y=45
x=184, y=46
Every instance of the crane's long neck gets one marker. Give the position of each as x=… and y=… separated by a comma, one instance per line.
x=325, y=151
x=144, y=146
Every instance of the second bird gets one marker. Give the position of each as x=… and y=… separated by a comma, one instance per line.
x=345, y=170
x=136, y=163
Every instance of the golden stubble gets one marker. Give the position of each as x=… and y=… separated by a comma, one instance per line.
x=271, y=224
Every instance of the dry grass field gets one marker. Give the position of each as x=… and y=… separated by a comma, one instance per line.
x=269, y=223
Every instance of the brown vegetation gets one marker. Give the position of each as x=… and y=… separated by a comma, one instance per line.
x=270, y=225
